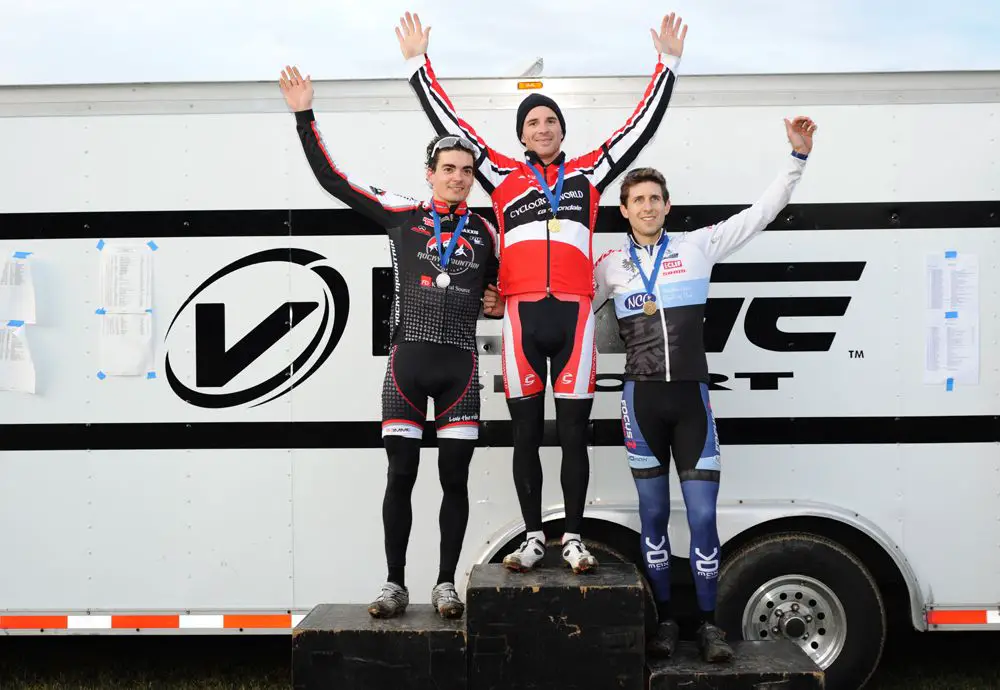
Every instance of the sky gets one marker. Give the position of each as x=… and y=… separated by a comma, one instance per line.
x=123, y=41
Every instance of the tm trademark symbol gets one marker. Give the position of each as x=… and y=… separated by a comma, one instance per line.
x=856, y=354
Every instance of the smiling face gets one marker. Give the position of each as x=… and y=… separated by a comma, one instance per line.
x=645, y=208
x=542, y=132
x=452, y=179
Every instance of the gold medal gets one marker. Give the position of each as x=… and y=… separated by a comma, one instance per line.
x=649, y=308
x=554, y=225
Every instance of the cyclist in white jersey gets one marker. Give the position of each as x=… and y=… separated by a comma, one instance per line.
x=659, y=284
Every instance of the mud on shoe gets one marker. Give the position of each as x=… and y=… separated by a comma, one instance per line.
x=712, y=644
x=445, y=600
x=664, y=641
x=524, y=558
x=391, y=601
x=577, y=556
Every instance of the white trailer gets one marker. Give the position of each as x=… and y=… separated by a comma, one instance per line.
x=234, y=480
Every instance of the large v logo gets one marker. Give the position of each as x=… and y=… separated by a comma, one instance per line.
x=216, y=366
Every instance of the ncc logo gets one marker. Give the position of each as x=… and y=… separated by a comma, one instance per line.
x=635, y=300
x=256, y=329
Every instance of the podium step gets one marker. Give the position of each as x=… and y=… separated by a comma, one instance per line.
x=775, y=665
x=339, y=646
x=551, y=629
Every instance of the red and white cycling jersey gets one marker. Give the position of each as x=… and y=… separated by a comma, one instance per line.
x=534, y=259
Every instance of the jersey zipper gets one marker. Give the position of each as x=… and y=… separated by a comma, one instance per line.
x=441, y=319
x=444, y=299
x=663, y=319
x=548, y=261
x=666, y=343
x=548, y=240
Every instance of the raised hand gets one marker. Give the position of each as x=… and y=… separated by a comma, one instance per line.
x=413, y=38
x=298, y=92
x=492, y=304
x=670, y=40
x=800, y=133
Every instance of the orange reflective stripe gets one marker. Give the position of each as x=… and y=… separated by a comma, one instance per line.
x=33, y=622
x=951, y=617
x=167, y=621
x=262, y=621
x=145, y=621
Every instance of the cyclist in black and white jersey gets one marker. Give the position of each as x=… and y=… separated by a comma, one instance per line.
x=659, y=285
x=444, y=257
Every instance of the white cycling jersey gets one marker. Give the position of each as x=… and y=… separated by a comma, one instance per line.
x=668, y=344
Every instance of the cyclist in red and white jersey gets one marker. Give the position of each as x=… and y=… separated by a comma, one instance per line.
x=546, y=207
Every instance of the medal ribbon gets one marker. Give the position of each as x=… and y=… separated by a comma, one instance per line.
x=445, y=256
x=553, y=200
x=651, y=281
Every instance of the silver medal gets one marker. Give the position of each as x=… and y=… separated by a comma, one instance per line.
x=443, y=280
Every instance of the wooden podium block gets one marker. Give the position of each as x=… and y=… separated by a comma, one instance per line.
x=549, y=628
x=773, y=665
x=341, y=647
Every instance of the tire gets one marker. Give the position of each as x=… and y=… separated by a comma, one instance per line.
x=839, y=617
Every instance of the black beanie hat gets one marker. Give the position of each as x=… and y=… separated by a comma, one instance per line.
x=533, y=101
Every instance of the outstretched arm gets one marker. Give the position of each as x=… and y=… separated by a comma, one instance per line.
x=491, y=167
x=720, y=240
x=370, y=201
x=604, y=164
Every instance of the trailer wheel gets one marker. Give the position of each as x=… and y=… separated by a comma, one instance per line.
x=811, y=590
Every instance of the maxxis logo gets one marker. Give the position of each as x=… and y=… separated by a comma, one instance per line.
x=214, y=365
x=656, y=555
x=707, y=565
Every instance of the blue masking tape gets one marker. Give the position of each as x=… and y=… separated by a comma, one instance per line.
x=22, y=255
x=151, y=375
x=951, y=254
x=101, y=375
x=951, y=315
x=100, y=311
x=100, y=245
x=152, y=245
x=949, y=385
x=15, y=324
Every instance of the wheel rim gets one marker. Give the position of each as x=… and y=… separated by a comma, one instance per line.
x=801, y=609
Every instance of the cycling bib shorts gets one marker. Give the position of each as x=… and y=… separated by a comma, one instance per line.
x=444, y=373
x=560, y=328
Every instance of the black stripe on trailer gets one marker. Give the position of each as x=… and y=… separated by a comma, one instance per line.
x=733, y=431
x=944, y=215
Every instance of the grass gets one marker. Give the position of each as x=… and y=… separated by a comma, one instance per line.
x=954, y=661
x=939, y=661
x=244, y=662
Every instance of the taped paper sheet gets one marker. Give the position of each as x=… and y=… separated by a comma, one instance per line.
x=17, y=289
x=126, y=278
x=126, y=347
x=952, y=320
x=17, y=372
